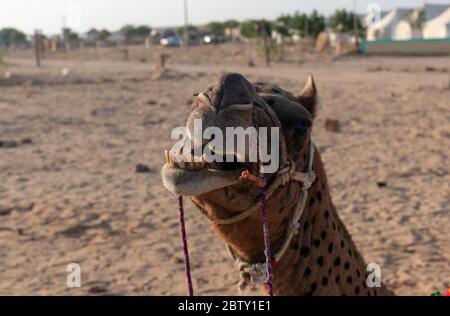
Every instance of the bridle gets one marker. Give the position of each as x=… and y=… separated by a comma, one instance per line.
x=261, y=273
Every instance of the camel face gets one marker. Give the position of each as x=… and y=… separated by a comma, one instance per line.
x=233, y=102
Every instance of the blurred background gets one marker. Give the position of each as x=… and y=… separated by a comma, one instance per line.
x=90, y=91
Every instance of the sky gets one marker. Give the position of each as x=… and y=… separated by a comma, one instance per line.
x=81, y=15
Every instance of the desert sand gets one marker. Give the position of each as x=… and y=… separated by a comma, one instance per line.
x=70, y=144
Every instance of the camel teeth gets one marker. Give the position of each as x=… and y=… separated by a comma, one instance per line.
x=198, y=159
x=171, y=162
x=166, y=153
x=181, y=164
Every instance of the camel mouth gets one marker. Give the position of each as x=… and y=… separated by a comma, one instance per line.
x=197, y=176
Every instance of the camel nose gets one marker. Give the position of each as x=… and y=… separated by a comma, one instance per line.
x=229, y=89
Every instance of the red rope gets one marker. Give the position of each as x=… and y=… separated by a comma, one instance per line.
x=270, y=262
x=187, y=265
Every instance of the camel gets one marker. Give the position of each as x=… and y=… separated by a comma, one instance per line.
x=318, y=256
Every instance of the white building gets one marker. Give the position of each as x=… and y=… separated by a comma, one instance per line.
x=412, y=26
x=385, y=28
x=438, y=27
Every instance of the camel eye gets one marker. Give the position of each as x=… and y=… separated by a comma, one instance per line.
x=302, y=128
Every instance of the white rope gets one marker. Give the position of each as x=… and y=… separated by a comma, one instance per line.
x=257, y=272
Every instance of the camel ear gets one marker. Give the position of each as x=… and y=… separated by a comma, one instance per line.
x=308, y=97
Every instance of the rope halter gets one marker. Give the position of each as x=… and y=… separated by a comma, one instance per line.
x=257, y=273
x=261, y=273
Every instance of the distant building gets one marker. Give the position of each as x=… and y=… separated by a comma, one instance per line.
x=405, y=23
x=91, y=36
x=117, y=37
x=412, y=26
x=385, y=28
x=438, y=27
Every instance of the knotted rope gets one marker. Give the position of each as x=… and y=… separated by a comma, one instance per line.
x=261, y=273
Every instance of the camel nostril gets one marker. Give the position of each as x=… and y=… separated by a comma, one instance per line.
x=233, y=89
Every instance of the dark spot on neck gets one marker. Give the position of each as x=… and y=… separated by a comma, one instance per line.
x=337, y=262
x=330, y=247
x=320, y=261
x=307, y=272
x=304, y=251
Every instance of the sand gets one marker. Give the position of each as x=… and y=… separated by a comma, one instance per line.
x=69, y=190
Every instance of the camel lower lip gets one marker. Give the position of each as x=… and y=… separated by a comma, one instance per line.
x=196, y=182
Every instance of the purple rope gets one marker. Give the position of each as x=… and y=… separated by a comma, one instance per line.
x=187, y=265
x=265, y=214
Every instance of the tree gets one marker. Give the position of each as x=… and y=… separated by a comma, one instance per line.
x=104, y=34
x=249, y=29
x=284, y=22
x=300, y=22
x=306, y=25
x=216, y=28
x=142, y=31
x=230, y=24
x=316, y=24
x=10, y=36
x=283, y=25
x=70, y=36
x=127, y=31
x=132, y=33
x=342, y=21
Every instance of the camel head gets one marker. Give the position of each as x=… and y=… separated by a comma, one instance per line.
x=208, y=170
